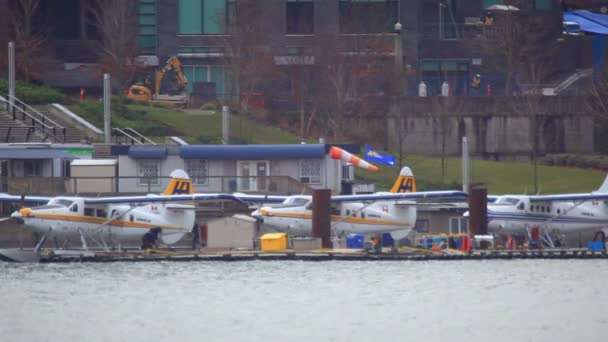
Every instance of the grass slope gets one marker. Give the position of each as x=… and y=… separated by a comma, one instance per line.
x=205, y=128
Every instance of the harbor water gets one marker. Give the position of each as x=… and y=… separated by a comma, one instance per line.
x=512, y=300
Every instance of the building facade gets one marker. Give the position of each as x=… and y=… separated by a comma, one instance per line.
x=269, y=169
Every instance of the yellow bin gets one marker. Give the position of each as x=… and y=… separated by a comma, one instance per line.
x=273, y=242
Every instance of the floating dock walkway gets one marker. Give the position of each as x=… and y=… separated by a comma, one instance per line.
x=58, y=256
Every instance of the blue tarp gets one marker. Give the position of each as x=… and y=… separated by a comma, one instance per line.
x=588, y=21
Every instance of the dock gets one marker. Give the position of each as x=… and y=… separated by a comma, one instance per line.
x=59, y=256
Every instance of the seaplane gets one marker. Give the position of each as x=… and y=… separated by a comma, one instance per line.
x=391, y=212
x=553, y=215
x=166, y=217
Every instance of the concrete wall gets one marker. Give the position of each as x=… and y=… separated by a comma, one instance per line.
x=498, y=128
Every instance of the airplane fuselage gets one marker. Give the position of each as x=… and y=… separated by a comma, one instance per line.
x=347, y=218
x=564, y=217
x=69, y=217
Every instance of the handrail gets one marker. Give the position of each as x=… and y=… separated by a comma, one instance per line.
x=133, y=139
x=43, y=126
x=44, y=118
x=30, y=130
x=140, y=135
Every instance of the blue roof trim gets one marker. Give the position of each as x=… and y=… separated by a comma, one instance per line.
x=34, y=153
x=240, y=152
x=148, y=152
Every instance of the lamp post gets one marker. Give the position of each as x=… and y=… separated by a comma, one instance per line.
x=398, y=60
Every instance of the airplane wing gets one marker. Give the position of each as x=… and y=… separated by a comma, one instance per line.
x=4, y=197
x=400, y=196
x=260, y=198
x=570, y=197
x=160, y=198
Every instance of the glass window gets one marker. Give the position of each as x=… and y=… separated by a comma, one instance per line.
x=190, y=17
x=204, y=16
x=102, y=213
x=214, y=16
x=488, y=3
x=299, y=16
x=367, y=16
x=310, y=171
x=89, y=212
x=422, y=226
x=148, y=171
x=197, y=169
x=543, y=5
x=208, y=73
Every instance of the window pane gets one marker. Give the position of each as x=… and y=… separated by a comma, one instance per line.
x=189, y=73
x=310, y=171
x=190, y=17
x=147, y=9
x=217, y=76
x=147, y=20
x=488, y=3
x=147, y=30
x=215, y=16
x=148, y=171
x=147, y=41
x=197, y=170
x=543, y=5
x=299, y=17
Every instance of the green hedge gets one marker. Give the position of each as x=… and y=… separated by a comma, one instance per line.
x=583, y=161
x=32, y=94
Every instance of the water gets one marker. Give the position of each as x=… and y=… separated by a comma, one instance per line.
x=527, y=300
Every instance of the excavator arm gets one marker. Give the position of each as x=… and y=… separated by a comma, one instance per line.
x=172, y=64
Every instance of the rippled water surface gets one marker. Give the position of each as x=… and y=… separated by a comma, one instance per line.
x=528, y=300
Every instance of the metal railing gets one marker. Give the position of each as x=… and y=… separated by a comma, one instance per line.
x=134, y=136
x=41, y=123
x=98, y=186
x=458, y=31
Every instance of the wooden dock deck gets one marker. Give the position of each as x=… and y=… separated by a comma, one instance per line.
x=323, y=255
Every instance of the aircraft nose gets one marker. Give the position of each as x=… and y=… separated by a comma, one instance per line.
x=24, y=212
x=260, y=213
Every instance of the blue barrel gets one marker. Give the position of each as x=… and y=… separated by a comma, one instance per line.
x=354, y=240
x=387, y=240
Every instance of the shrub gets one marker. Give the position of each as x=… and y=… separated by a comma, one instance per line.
x=33, y=94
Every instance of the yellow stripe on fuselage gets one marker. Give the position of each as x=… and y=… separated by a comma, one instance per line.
x=338, y=218
x=98, y=220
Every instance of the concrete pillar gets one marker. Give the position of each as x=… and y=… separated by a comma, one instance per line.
x=321, y=216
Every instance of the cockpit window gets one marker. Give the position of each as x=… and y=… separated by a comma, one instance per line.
x=507, y=201
x=63, y=202
x=520, y=206
x=295, y=202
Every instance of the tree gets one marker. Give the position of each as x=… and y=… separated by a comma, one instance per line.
x=30, y=45
x=248, y=57
x=344, y=63
x=116, y=22
x=444, y=108
x=517, y=37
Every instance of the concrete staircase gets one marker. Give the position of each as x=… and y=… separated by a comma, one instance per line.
x=73, y=133
x=16, y=131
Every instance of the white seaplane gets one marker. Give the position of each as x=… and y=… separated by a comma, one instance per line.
x=568, y=214
x=391, y=212
x=168, y=216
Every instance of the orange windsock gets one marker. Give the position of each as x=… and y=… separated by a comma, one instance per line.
x=340, y=154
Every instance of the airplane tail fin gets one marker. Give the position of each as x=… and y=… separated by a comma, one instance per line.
x=180, y=184
x=405, y=182
x=604, y=187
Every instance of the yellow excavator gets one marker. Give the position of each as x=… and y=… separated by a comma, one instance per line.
x=142, y=92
